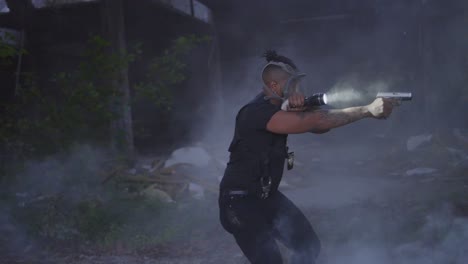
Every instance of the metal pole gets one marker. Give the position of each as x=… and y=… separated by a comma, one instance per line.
x=192, y=8
x=19, y=64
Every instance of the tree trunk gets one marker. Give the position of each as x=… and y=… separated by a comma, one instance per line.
x=21, y=13
x=114, y=31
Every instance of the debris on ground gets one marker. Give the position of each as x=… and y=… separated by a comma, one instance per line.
x=415, y=141
x=198, y=192
x=154, y=191
x=186, y=173
x=420, y=171
x=196, y=156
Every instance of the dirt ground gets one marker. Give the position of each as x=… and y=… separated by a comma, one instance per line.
x=365, y=209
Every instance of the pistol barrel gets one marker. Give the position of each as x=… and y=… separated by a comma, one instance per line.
x=401, y=96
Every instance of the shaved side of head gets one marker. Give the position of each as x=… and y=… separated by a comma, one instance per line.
x=274, y=73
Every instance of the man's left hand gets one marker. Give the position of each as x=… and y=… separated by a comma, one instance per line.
x=296, y=102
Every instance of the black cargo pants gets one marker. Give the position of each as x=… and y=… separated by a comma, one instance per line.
x=257, y=223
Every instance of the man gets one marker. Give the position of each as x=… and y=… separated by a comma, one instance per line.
x=251, y=207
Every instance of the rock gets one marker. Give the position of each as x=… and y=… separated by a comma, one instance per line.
x=197, y=191
x=153, y=192
x=147, y=168
x=463, y=137
x=420, y=171
x=196, y=156
x=416, y=141
x=458, y=154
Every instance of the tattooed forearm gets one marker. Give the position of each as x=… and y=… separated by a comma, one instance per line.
x=301, y=115
x=336, y=118
x=315, y=121
x=324, y=120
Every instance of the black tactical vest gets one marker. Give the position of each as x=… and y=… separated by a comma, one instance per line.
x=257, y=156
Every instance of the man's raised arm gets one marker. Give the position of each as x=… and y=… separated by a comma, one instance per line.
x=323, y=120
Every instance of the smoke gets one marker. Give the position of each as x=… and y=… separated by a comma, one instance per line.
x=352, y=91
x=14, y=241
x=437, y=240
x=344, y=181
x=348, y=181
x=40, y=201
x=62, y=199
x=344, y=97
x=73, y=175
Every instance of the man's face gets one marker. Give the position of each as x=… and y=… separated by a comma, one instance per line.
x=294, y=86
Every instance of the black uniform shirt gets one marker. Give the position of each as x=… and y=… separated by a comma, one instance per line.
x=251, y=142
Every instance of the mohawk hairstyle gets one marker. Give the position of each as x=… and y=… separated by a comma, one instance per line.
x=271, y=55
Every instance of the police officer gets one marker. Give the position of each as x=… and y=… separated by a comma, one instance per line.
x=252, y=208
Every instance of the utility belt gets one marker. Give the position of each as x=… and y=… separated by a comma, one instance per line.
x=240, y=193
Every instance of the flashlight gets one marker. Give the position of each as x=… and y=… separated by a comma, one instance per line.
x=317, y=99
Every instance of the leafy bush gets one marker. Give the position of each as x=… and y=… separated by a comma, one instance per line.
x=7, y=51
x=76, y=106
x=166, y=71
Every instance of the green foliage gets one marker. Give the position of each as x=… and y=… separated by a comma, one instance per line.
x=14, y=123
x=62, y=200
x=133, y=221
x=93, y=220
x=85, y=112
x=7, y=51
x=45, y=218
x=167, y=71
x=75, y=107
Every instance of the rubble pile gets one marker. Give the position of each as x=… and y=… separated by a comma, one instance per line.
x=188, y=172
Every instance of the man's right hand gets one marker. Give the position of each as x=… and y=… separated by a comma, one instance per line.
x=381, y=108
